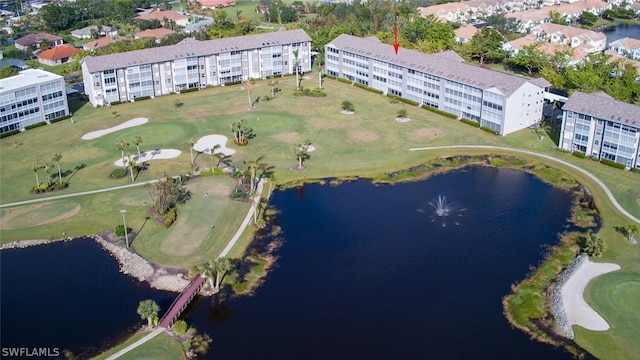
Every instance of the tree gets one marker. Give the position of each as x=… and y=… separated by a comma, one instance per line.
x=165, y=193
x=36, y=168
x=8, y=71
x=254, y=166
x=212, y=154
x=274, y=89
x=47, y=170
x=319, y=59
x=122, y=145
x=302, y=152
x=403, y=113
x=137, y=141
x=56, y=158
x=148, y=309
x=216, y=269
x=593, y=245
x=295, y=64
x=483, y=43
x=131, y=164
x=347, y=106
x=530, y=58
x=191, y=143
x=503, y=24
x=628, y=231
x=557, y=18
x=587, y=18
x=241, y=132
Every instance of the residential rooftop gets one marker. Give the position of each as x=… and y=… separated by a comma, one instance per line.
x=446, y=64
x=193, y=49
x=603, y=107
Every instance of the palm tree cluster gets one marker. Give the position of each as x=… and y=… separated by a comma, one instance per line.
x=241, y=132
x=214, y=271
x=129, y=162
x=46, y=167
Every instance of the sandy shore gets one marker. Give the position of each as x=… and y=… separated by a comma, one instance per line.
x=577, y=310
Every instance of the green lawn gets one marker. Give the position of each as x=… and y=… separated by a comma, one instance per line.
x=160, y=347
x=363, y=144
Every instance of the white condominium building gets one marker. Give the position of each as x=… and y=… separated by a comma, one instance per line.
x=599, y=126
x=502, y=102
x=194, y=64
x=31, y=97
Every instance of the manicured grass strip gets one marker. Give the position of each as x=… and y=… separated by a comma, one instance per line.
x=119, y=347
x=160, y=347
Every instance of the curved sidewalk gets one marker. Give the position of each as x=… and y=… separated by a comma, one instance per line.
x=591, y=176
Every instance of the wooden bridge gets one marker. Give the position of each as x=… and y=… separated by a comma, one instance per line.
x=181, y=302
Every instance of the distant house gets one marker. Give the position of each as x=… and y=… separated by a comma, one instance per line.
x=163, y=16
x=587, y=40
x=195, y=26
x=157, y=34
x=465, y=33
x=629, y=47
x=88, y=32
x=35, y=39
x=57, y=55
x=14, y=63
x=214, y=4
x=97, y=43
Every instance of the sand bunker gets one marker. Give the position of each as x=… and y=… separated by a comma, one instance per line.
x=157, y=154
x=131, y=123
x=578, y=312
x=206, y=143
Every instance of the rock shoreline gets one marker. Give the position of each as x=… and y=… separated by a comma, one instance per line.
x=559, y=311
x=131, y=264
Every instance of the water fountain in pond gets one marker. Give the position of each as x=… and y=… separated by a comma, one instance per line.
x=444, y=210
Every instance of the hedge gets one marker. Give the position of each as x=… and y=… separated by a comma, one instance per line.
x=470, y=122
x=578, y=154
x=362, y=86
x=59, y=119
x=308, y=92
x=613, y=164
x=188, y=90
x=171, y=216
x=232, y=83
x=635, y=170
x=9, y=133
x=406, y=101
x=115, y=103
x=142, y=98
x=329, y=76
x=346, y=81
x=438, y=111
x=489, y=130
x=33, y=126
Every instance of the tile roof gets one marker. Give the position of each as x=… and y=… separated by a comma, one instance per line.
x=193, y=48
x=162, y=14
x=158, y=33
x=627, y=42
x=58, y=52
x=603, y=107
x=98, y=43
x=466, y=32
x=217, y=3
x=31, y=39
x=446, y=64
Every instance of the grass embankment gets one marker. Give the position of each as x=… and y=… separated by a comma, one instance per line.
x=365, y=144
x=160, y=347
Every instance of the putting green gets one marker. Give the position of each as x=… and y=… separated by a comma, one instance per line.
x=38, y=214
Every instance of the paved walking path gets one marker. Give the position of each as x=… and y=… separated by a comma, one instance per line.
x=149, y=336
x=591, y=176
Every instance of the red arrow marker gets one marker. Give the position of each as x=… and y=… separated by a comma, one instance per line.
x=396, y=44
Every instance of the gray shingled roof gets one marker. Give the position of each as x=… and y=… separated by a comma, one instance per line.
x=603, y=107
x=31, y=39
x=192, y=49
x=446, y=64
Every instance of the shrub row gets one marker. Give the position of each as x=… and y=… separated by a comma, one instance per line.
x=309, y=92
x=578, y=154
x=33, y=126
x=232, y=83
x=470, y=122
x=171, y=216
x=329, y=76
x=635, y=170
x=368, y=88
x=346, y=81
x=489, y=130
x=406, y=101
x=9, y=133
x=115, y=102
x=613, y=164
x=59, y=119
x=438, y=111
x=188, y=90
x=142, y=98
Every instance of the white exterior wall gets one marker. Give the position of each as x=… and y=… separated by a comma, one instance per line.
x=524, y=108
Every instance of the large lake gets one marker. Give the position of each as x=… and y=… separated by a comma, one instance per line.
x=621, y=31
x=366, y=272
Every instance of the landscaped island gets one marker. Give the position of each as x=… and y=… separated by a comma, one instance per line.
x=365, y=144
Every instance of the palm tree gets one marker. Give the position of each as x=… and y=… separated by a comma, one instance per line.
x=37, y=167
x=302, y=152
x=403, y=114
x=137, y=141
x=254, y=166
x=122, y=145
x=274, y=89
x=148, y=309
x=631, y=229
x=223, y=265
x=47, y=170
x=131, y=164
x=212, y=153
x=191, y=143
x=56, y=158
x=295, y=64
